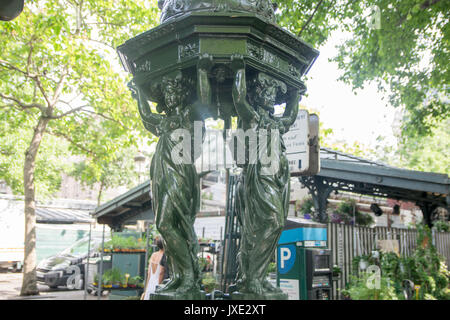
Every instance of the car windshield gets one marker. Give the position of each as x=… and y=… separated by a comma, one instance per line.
x=80, y=247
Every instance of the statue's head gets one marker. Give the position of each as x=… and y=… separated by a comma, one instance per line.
x=265, y=90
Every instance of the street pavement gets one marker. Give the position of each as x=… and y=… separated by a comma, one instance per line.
x=10, y=284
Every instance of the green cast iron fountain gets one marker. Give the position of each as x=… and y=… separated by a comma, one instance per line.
x=219, y=59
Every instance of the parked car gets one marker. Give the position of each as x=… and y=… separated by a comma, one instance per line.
x=63, y=269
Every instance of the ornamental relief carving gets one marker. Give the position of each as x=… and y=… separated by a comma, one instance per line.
x=187, y=50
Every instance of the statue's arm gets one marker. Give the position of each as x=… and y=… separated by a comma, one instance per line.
x=291, y=111
x=150, y=119
x=244, y=110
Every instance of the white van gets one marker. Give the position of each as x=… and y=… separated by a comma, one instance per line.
x=12, y=234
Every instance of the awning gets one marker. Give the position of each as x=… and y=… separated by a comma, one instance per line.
x=62, y=215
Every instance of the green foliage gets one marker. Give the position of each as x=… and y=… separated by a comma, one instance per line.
x=360, y=290
x=58, y=63
x=116, y=171
x=427, y=153
x=306, y=206
x=209, y=282
x=347, y=211
x=425, y=268
x=429, y=269
x=441, y=226
x=272, y=267
x=356, y=262
x=15, y=137
x=406, y=54
x=121, y=242
x=135, y=280
x=336, y=271
x=113, y=276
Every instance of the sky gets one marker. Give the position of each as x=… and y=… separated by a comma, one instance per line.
x=361, y=117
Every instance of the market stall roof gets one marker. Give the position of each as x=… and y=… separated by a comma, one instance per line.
x=344, y=172
x=375, y=178
x=127, y=208
x=62, y=215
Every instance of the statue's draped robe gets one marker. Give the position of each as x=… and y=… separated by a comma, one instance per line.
x=176, y=199
x=263, y=207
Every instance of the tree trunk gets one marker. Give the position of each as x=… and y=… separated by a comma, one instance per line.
x=99, y=196
x=29, y=284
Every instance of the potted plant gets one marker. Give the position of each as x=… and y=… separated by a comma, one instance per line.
x=114, y=277
x=95, y=282
x=336, y=273
x=306, y=206
x=106, y=280
x=125, y=280
x=209, y=283
x=134, y=281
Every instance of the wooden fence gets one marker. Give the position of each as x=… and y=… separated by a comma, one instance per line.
x=347, y=242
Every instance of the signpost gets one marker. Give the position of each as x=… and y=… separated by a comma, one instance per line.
x=302, y=144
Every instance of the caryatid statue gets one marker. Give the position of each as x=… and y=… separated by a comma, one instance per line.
x=262, y=193
x=174, y=180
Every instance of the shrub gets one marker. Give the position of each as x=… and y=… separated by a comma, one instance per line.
x=360, y=288
x=209, y=283
x=344, y=213
x=441, y=226
x=306, y=206
x=425, y=268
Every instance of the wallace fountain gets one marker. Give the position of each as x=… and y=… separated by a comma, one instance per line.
x=217, y=59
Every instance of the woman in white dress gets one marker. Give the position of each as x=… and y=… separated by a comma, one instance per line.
x=156, y=271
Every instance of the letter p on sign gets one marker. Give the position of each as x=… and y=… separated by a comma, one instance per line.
x=285, y=254
x=286, y=258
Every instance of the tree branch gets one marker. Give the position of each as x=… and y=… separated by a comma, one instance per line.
x=425, y=5
x=41, y=88
x=428, y=4
x=310, y=18
x=66, y=137
x=59, y=86
x=102, y=43
x=29, y=56
x=108, y=118
x=66, y=113
x=25, y=106
x=10, y=66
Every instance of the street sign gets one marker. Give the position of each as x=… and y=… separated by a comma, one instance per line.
x=302, y=144
x=296, y=142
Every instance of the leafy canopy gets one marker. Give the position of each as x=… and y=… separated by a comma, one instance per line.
x=58, y=62
x=402, y=45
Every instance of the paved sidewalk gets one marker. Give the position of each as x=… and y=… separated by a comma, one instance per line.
x=10, y=284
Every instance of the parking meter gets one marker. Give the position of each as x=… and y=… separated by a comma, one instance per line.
x=304, y=264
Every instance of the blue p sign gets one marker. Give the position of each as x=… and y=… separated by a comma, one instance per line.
x=286, y=258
